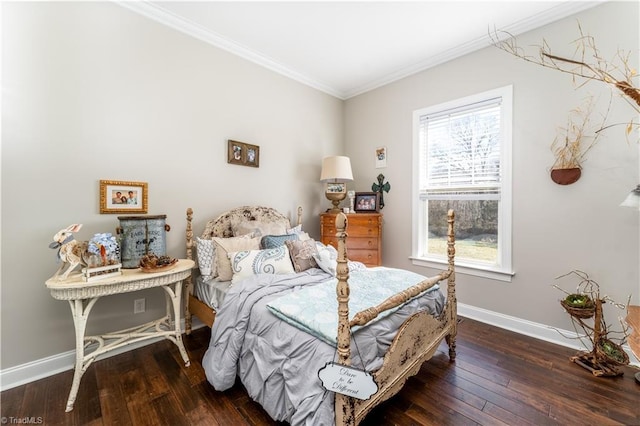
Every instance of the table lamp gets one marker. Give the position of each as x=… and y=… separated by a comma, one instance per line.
x=633, y=199
x=335, y=172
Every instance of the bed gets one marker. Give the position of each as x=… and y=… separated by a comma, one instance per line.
x=265, y=335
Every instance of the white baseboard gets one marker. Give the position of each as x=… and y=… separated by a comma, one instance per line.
x=45, y=367
x=539, y=331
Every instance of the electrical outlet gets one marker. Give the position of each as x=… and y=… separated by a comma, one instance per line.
x=138, y=306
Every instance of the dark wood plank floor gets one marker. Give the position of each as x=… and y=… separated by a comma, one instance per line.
x=499, y=377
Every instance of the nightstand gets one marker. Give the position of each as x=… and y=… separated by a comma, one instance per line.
x=364, y=243
x=83, y=295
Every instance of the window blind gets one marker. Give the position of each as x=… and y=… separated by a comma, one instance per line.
x=460, y=150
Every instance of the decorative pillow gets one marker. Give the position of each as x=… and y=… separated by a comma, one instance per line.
x=297, y=230
x=326, y=258
x=205, y=252
x=273, y=241
x=271, y=261
x=224, y=246
x=259, y=228
x=301, y=253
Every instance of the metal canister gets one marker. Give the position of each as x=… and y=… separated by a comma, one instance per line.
x=140, y=235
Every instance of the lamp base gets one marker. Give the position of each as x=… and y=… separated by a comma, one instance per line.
x=335, y=198
x=336, y=207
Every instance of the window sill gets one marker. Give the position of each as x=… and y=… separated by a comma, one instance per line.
x=465, y=268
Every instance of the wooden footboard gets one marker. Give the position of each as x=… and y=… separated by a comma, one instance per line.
x=416, y=341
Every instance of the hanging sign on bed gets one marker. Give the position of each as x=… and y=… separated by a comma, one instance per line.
x=347, y=380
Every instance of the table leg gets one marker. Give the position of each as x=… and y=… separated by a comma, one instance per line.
x=80, y=314
x=174, y=298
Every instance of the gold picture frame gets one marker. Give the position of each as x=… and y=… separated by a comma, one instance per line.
x=118, y=196
x=243, y=154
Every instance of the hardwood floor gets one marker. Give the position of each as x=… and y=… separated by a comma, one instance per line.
x=499, y=377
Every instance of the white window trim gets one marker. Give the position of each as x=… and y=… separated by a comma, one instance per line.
x=503, y=271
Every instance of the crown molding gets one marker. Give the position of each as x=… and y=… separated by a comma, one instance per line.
x=165, y=17
x=556, y=13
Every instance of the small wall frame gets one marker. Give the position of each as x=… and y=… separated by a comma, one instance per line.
x=243, y=154
x=123, y=197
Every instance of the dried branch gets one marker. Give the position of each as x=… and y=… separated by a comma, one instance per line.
x=573, y=142
x=617, y=73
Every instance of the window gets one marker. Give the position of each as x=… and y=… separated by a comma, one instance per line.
x=462, y=161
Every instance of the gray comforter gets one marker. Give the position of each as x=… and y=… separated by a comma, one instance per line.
x=277, y=363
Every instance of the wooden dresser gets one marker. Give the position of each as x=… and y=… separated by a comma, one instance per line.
x=364, y=243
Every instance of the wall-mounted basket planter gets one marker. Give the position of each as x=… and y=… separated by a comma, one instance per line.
x=565, y=176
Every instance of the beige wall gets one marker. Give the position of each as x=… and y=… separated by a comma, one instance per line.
x=94, y=91
x=555, y=228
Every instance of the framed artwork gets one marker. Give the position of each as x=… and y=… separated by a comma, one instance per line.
x=381, y=157
x=243, y=154
x=123, y=197
x=367, y=202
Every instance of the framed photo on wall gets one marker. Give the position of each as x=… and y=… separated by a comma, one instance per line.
x=123, y=197
x=243, y=154
x=367, y=202
x=381, y=157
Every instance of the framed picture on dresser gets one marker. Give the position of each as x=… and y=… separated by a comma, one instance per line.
x=367, y=202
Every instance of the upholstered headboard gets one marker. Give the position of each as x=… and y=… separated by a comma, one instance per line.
x=223, y=225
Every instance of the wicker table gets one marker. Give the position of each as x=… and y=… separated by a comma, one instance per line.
x=82, y=296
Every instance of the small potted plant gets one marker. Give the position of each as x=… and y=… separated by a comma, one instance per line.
x=572, y=145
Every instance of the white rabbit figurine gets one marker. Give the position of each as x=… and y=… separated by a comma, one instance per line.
x=71, y=250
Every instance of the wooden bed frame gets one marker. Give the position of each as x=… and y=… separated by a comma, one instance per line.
x=416, y=341
x=219, y=227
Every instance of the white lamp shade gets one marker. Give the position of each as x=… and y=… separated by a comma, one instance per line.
x=336, y=169
x=633, y=199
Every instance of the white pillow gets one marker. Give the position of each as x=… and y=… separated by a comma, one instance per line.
x=259, y=229
x=326, y=258
x=270, y=261
x=297, y=230
x=205, y=251
x=224, y=246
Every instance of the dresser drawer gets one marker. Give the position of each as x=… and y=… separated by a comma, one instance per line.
x=362, y=243
x=352, y=231
x=354, y=243
x=368, y=257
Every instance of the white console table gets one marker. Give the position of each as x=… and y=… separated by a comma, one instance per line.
x=82, y=296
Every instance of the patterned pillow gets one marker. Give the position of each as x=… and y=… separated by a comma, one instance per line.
x=224, y=246
x=259, y=228
x=326, y=258
x=302, y=253
x=273, y=241
x=271, y=261
x=205, y=251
